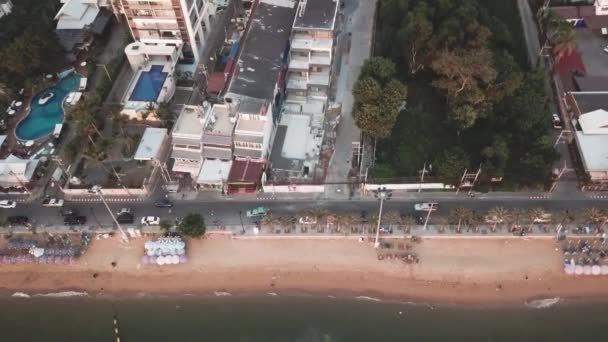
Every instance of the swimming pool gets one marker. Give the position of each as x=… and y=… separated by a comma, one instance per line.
x=149, y=84
x=41, y=119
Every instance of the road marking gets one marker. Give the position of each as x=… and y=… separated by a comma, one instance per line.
x=266, y=198
x=107, y=200
x=538, y=197
x=599, y=196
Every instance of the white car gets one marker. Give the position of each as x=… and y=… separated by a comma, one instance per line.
x=52, y=202
x=150, y=220
x=557, y=122
x=426, y=206
x=6, y=204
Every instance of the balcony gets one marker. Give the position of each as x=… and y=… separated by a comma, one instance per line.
x=295, y=82
x=320, y=59
x=319, y=78
x=307, y=42
x=156, y=26
x=299, y=63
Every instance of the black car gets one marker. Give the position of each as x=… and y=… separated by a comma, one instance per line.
x=419, y=220
x=72, y=220
x=125, y=218
x=17, y=219
x=163, y=203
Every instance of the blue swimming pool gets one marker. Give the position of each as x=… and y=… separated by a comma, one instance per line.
x=41, y=119
x=149, y=85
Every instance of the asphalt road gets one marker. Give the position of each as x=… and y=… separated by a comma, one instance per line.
x=227, y=213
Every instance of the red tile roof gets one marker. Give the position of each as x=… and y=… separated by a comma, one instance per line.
x=571, y=63
x=216, y=82
x=246, y=171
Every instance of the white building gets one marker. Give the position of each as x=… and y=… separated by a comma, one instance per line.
x=171, y=22
x=6, y=6
x=186, y=141
x=17, y=172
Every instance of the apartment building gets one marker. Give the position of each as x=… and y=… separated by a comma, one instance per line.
x=311, y=51
x=217, y=148
x=171, y=22
x=186, y=141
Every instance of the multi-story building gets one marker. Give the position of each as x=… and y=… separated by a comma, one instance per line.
x=311, y=51
x=6, y=6
x=217, y=148
x=186, y=141
x=171, y=22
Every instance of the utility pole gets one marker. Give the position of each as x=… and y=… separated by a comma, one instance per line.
x=422, y=173
x=428, y=216
x=97, y=190
x=468, y=180
x=106, y=70
x=382, y=194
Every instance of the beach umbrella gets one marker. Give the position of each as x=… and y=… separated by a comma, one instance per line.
x=148, y=244
x=180, y=252
x=150, y=252
x=578, y=270
x=175, y=259
x=596, y=270
x=183, y=259
x=604, y=269
x=160, y=261
x=587, y=270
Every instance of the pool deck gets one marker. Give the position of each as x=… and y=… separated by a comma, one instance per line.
x=166, y=93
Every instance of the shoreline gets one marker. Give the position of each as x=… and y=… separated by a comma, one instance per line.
x=464, y=272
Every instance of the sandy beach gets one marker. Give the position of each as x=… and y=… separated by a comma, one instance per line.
x=488, y=271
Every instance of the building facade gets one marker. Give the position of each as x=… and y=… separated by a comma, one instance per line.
x=171, y=22
x=186, y=141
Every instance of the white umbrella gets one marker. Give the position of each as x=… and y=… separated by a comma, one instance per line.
x=29, y=143
x=180, y=252
x=604, y=269
x=578, y=270
x=569, y=269
x=150, y=252
x=160, y=260
x=175, y=259
x=11, y=112
x=596, y=270
x=587, y=270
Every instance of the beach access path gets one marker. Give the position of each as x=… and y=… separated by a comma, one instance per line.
x=450, y=271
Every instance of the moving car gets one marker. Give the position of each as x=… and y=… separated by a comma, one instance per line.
x=69, y=211
x=72, y=220
x=259, y=211
x=52, y=202
x=6, y=204
x=124, y=211
x=150, y=220
x=557, y=122
x=17, y=219
x=163, y=203
x=426, y=206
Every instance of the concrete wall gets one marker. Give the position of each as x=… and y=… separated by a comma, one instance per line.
x=293, y=188
x=409, y=187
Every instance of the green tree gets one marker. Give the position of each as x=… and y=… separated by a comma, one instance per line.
x=192, y=225
x=451, y=163
x=563, y=38
x=379, y=68
x=367, y=90
x=419, y=32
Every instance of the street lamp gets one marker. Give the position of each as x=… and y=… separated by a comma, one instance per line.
x=97, y=190
x=106, y=70
x=382, y=194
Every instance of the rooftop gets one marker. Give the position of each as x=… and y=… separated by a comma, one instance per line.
x=151, y=143
x=214, y=171
x=591, y=101
x=219, y=120
x=595, y=122
x=318, y=14
x=250, y=125
x=593, y=151
x=189, y=122
x=591, y=83
x=246, y=171
x=295, y=144
x=261, y=56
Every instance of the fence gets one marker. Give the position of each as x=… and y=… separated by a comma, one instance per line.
x=293, y=188
x=410, y=187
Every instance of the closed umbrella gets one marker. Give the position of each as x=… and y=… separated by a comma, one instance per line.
x=596, y=270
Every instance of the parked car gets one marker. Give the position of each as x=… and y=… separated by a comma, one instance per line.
x=163, y=203
x=150, y=220
x=69, y=211
x=259, y=211
x=7, y=204
x=17, y=220
x=52, y=202
x=426, y=206
x=125, y=218
x=419, y=220
x=557, y=122
x=72, y=220
x=308, y=220
x=386, y=230
x=124, y=211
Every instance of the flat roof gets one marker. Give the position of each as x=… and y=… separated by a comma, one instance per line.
x=277, y=159
x=591, y=83
x=590, y=101
x=250, y=125
x=298, y=129
x=594, y=153
x=246, y=171
x=214, y=171
x=318, y=14
x=261, y=56
x=189, y=121
x=150, y=143
x=219, y=120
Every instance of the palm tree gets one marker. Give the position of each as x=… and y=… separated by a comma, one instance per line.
x=534, y=215
x=564, y=218
x=441, y=222
x=461, y=216
x=594, y=217
x=392, y=218
x=407, y=221
x=563, y=37
x=318, y=214
x=269, y=221
x=498, y=215
x=517, y=216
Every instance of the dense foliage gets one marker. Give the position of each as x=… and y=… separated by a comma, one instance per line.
x=28, y=45
x=471, y=99
x=192, y=225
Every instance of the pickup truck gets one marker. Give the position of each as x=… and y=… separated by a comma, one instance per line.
x=255, y=212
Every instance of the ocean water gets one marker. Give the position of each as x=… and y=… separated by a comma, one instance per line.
x=298, y=319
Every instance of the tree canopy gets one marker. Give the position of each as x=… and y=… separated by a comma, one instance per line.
x=192, y=225
x=472, y=98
